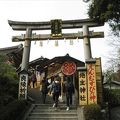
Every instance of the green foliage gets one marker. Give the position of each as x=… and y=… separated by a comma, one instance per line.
x=106, y=11
x=92, y=112
x=10, y=108
x=5, y=99
x=112, y=97
x=110, y=75
x=13, y=110
x=8, y=86
x=8, y=82
x=6, y=69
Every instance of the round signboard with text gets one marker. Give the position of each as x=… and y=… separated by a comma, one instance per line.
x=68, y=68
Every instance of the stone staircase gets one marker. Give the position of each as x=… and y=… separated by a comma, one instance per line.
x=39, y=111
x=47, y=112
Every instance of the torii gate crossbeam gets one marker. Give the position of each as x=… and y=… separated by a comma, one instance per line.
x=66, y=24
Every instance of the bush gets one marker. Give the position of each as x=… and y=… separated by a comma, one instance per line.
x=5, y=99
x=92, y=112
x=112, y=97
x=13, y=110
x=8, y=86
x=9, y=82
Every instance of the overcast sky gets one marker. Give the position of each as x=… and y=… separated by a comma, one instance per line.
x=46, y=10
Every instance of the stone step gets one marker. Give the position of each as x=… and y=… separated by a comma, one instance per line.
x=52, y=118
x=53, y=110
x=60, y=104
x=53, y=114
x=49, y=106
x=47, y=112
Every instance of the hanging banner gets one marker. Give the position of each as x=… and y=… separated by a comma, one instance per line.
x=92, y=90
x=68, y=68
x=82, y=88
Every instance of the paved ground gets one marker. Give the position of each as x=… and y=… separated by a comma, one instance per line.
x=115, y=113
x=35, y=94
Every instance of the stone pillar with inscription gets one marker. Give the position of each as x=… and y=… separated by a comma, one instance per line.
x=23, y=85
x=25, y=65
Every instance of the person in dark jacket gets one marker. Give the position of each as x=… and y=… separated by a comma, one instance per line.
x=44, y=89
x=33, y=79
x=68, y=90
x=56, y=91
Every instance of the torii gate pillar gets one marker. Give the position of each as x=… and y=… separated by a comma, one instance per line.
x=86, y=43
x=26, y=51
x=23, y=83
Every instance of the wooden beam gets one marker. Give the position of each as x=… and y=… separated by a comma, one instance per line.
x=67, y=36
x=66, y=24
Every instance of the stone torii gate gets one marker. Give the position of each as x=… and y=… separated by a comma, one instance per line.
x=29, y=27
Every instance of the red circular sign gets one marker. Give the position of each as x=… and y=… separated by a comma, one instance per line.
x=68, y=68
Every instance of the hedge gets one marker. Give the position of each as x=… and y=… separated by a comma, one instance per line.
x=13, y=110
x=92, y=112
x=112, y=97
